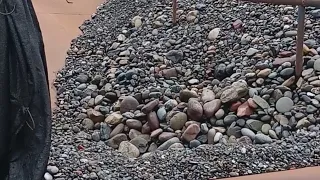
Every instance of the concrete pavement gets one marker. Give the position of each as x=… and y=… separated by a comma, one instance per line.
x=59, y=23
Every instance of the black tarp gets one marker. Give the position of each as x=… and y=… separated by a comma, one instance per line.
x=25, y=113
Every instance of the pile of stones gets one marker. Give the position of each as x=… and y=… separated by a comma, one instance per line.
x=224, y=75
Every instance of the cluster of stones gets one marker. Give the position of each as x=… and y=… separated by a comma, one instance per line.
x=223, y=75
x=259, y=106
x=151, y=121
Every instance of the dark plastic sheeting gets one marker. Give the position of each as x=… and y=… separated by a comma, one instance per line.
x=25, y=113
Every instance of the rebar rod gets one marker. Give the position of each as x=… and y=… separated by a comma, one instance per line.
x=300, y=38
x=174, y=11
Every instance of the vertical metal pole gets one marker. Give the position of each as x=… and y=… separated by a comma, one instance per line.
x=300, y=38
x=174, y=12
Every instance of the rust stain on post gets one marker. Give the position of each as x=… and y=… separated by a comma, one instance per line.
x=174, y=12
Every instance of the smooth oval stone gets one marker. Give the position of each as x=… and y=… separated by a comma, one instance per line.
x=229, y=119
x=248, y=132
x=273, y=134
x=261, y=102
x=178, y=120
x=284, y=104
x=168, y=143
x=262, y=139
x=255, y=125
x=265, y=128
x=191, y=132
x=194, y=143
x=316, y=65
x=217, y=137
x=161, y=113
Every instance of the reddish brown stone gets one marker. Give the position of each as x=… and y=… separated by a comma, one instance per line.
x=188, y=123
x=191, y=132
x=166, y=136
x=168, y=73
x=210, y=108
x=285, y=54
x=235, y=106
x=252, y=104
x=128, y=103
x=195, y=110
x=153, y=121
x=237, y=24
x=95, y=116
x=156, y=133
x=279, y=61
x=244, y=110
x=146, y=128
x=289, y=81
x=150, y=106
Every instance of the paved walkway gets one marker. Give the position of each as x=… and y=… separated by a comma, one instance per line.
x=59, y=23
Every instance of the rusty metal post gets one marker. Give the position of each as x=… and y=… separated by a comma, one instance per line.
x=300, y=38
x=174, y=12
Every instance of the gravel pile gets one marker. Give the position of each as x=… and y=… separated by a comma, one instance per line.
x=214, y=96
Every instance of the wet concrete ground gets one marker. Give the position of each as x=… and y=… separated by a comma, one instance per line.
x=59, y=22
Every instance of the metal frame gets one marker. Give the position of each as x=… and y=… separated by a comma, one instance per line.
x=301, y=17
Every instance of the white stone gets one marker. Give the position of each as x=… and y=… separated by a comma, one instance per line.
x=47, y=176
x=213, y=34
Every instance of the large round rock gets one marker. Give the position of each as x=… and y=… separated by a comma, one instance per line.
x=129, y=149
x=195, y=110
x=128, y=103
x=191, y=132
x=178, y=120
x=284, y=104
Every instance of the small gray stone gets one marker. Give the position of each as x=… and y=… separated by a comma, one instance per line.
x=52, y=169
x=261, y=102
x=273, y=134
x=161, y=113
x=194, y=143
x=175, y=56
x=311, y=109
x=255, y=125
x=248, y=132
x=178, y=120
x=316, y=65
x=213, y=34
x=262, y=139
x=229, y=119
x=265, y=128
x=234, y=131
x=168, y=143
x=96, y=136
x=219, y=114
x=129, y=149
x=283, y=120
x=211, y=133
x=140, y=143
x=251, y=52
